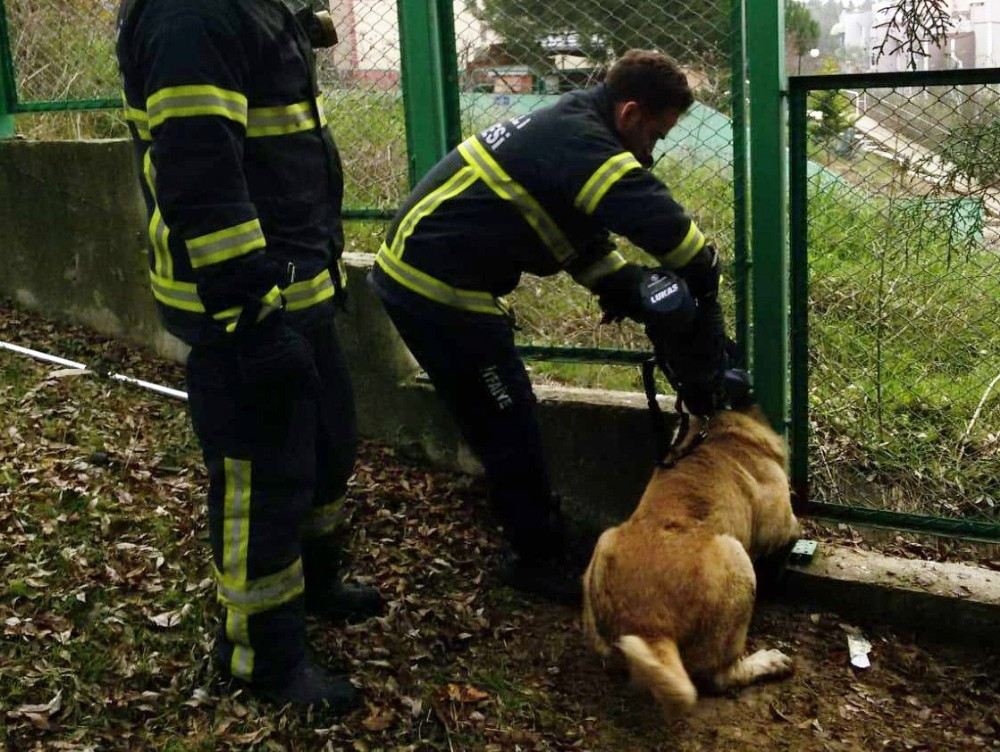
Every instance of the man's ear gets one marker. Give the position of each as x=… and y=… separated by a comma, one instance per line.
x=626, y=114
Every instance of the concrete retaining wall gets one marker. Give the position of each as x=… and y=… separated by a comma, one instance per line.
x=73, y=244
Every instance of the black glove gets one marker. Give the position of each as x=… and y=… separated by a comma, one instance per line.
x=273, y=357
x=695, y=360
x=655, y=297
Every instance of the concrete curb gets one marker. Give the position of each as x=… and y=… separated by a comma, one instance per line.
x=954, y=602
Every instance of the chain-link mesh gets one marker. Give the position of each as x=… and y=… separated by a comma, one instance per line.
x=63, y=49
x=360, y=79
x=515, y=56
x=904, y=346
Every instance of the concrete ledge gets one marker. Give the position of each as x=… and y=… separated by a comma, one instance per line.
x=948, y=601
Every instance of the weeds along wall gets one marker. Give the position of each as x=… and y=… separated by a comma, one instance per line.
x=896, y=405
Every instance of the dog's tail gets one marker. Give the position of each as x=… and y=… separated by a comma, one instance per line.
x=657, y=666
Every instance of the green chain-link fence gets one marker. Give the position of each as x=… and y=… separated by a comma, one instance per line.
x=896, y=221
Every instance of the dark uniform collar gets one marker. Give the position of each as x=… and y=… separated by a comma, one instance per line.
x=601, y=101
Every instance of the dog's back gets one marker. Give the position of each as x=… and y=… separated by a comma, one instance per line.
x=673, y=587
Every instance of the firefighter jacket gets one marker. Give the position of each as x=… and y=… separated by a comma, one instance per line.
x=240, y=174
x=538, y=193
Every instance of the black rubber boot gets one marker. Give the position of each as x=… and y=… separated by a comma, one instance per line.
x=326, y=594
x=311, y=685
x=543, y=564
x=342, y=603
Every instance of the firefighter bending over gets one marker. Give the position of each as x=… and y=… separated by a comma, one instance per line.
x=541, y=193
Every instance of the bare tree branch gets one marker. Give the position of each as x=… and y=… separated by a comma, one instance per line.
x=912, y=26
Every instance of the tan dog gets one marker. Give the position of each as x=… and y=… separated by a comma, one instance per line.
x=673, y=586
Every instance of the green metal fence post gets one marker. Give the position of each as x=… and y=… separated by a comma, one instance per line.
x=741, y=259
x=430, y=81
x=8, y=90
x=799, y=260
x=768, y=219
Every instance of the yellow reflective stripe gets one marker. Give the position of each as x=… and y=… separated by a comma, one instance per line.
x=159, y=237
x=238, y=633
x=231, y=315
x=428, y=204
x=237, y=627
x=263, y=593
x=325, y=519
x=225, y=244
x=434, y=289
x=170, y=292
x=241, y=665
x=235, y=521
x=592, y=274
x=309, y=292
x=138, y=118
x=322, y=112
x=271, y=301
x=280, y=121
x=504, y=186
x=195, y=101
x=149, y=172
x=603, y=178
x=686, y=249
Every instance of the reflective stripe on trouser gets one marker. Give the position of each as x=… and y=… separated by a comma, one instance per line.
x=272, y=458
x=477, y=372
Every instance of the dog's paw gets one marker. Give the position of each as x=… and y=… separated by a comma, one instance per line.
x=771, y=664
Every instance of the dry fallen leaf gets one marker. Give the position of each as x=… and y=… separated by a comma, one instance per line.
x=466, y=693
x=379, y=719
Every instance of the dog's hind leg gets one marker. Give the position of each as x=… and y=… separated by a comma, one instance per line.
x=764, y=664
x=656, y=665
x=593, y=584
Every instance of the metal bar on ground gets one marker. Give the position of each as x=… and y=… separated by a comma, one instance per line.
x=66, y=363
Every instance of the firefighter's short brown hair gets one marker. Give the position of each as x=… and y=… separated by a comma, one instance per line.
x=650, y=78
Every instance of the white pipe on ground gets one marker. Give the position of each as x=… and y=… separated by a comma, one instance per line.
x=56, y=360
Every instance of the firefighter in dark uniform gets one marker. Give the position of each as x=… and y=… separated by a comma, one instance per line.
x=243, y=184
x=540, y=193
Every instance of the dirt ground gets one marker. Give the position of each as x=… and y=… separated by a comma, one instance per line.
x=105, y=607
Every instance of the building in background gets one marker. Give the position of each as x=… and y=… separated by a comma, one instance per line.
x=368, y=52
x=973, y=40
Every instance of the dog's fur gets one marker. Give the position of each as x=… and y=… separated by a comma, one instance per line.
x=672, y=588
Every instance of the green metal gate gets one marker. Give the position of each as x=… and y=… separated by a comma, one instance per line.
x=895, y=244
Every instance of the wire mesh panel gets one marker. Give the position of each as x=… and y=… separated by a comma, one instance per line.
x=360, y=79
x=63, y=50
x=515, y=56
x=904, y=299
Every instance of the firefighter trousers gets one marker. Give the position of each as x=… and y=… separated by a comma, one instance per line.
x=476, y=371
x=278, y=466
